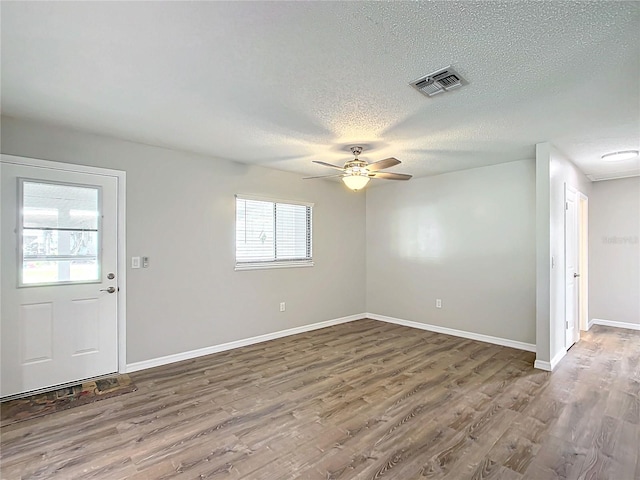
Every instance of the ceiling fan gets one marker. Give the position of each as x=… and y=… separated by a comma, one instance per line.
x=356, y=173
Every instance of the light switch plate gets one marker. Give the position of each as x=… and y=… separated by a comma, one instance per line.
x=135, y=262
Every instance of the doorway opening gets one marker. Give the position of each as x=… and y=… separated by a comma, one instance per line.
x=576, y=265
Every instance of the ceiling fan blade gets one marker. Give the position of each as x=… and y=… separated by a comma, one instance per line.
x=324, y=176
x=382, y=164
x=391, y=176
x=328, y=165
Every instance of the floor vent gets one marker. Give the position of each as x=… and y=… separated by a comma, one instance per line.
x=439, y=81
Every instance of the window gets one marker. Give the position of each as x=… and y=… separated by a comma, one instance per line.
x=272, y=234
x=59, y=226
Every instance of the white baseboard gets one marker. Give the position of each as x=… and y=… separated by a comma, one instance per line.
x=611, y=323
x=550, y=366
x=556, y=360
x=178, y=357
x=542, y=365
x=505, y=342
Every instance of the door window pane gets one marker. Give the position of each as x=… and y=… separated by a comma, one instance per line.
x=60, y=233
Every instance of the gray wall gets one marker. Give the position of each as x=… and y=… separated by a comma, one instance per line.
x=614, y=250
x=473, y=238
x=467, y=238
x=180, y=213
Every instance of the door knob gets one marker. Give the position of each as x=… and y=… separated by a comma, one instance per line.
x=108, y=290
x=576, y=275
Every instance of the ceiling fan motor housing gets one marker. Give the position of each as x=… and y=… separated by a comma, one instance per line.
x=356, y=167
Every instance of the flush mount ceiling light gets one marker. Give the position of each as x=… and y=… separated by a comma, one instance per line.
x=623, y=155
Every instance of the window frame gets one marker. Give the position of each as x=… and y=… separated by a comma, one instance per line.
x=275, y=263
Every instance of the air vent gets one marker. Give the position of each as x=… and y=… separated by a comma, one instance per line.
x=437, y=82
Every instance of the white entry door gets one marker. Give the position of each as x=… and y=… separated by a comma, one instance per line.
x=571, y=267
x=59, y=279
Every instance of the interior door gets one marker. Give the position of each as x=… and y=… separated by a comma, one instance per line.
x=58, y=277
x=572, y=274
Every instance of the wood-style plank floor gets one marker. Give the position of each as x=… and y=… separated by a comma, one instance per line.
x=363, y=400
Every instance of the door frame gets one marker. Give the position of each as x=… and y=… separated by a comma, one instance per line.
x=575, y=227
x=121, y=233
x=583, y=260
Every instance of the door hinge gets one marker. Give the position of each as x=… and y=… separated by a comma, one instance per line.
x=566, y=205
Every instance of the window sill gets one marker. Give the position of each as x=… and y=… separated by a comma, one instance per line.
x=270, y=265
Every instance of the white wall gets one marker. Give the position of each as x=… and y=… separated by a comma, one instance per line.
x=614, y=251
x=180, y=213
x=467, y=238
x=553, y=171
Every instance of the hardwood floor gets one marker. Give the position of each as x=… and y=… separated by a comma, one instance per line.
x=363, y=400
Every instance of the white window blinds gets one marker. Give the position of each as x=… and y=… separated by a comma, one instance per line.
x=271, y=233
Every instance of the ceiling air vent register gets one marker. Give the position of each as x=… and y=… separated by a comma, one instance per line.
x=439, y=81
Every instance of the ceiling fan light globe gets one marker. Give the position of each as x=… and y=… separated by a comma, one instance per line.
x=355, y=182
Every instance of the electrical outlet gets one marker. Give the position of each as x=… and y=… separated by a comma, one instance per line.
x=438, y=303
x=283, y=306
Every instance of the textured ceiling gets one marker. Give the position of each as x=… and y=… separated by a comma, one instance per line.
x=283, y=83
